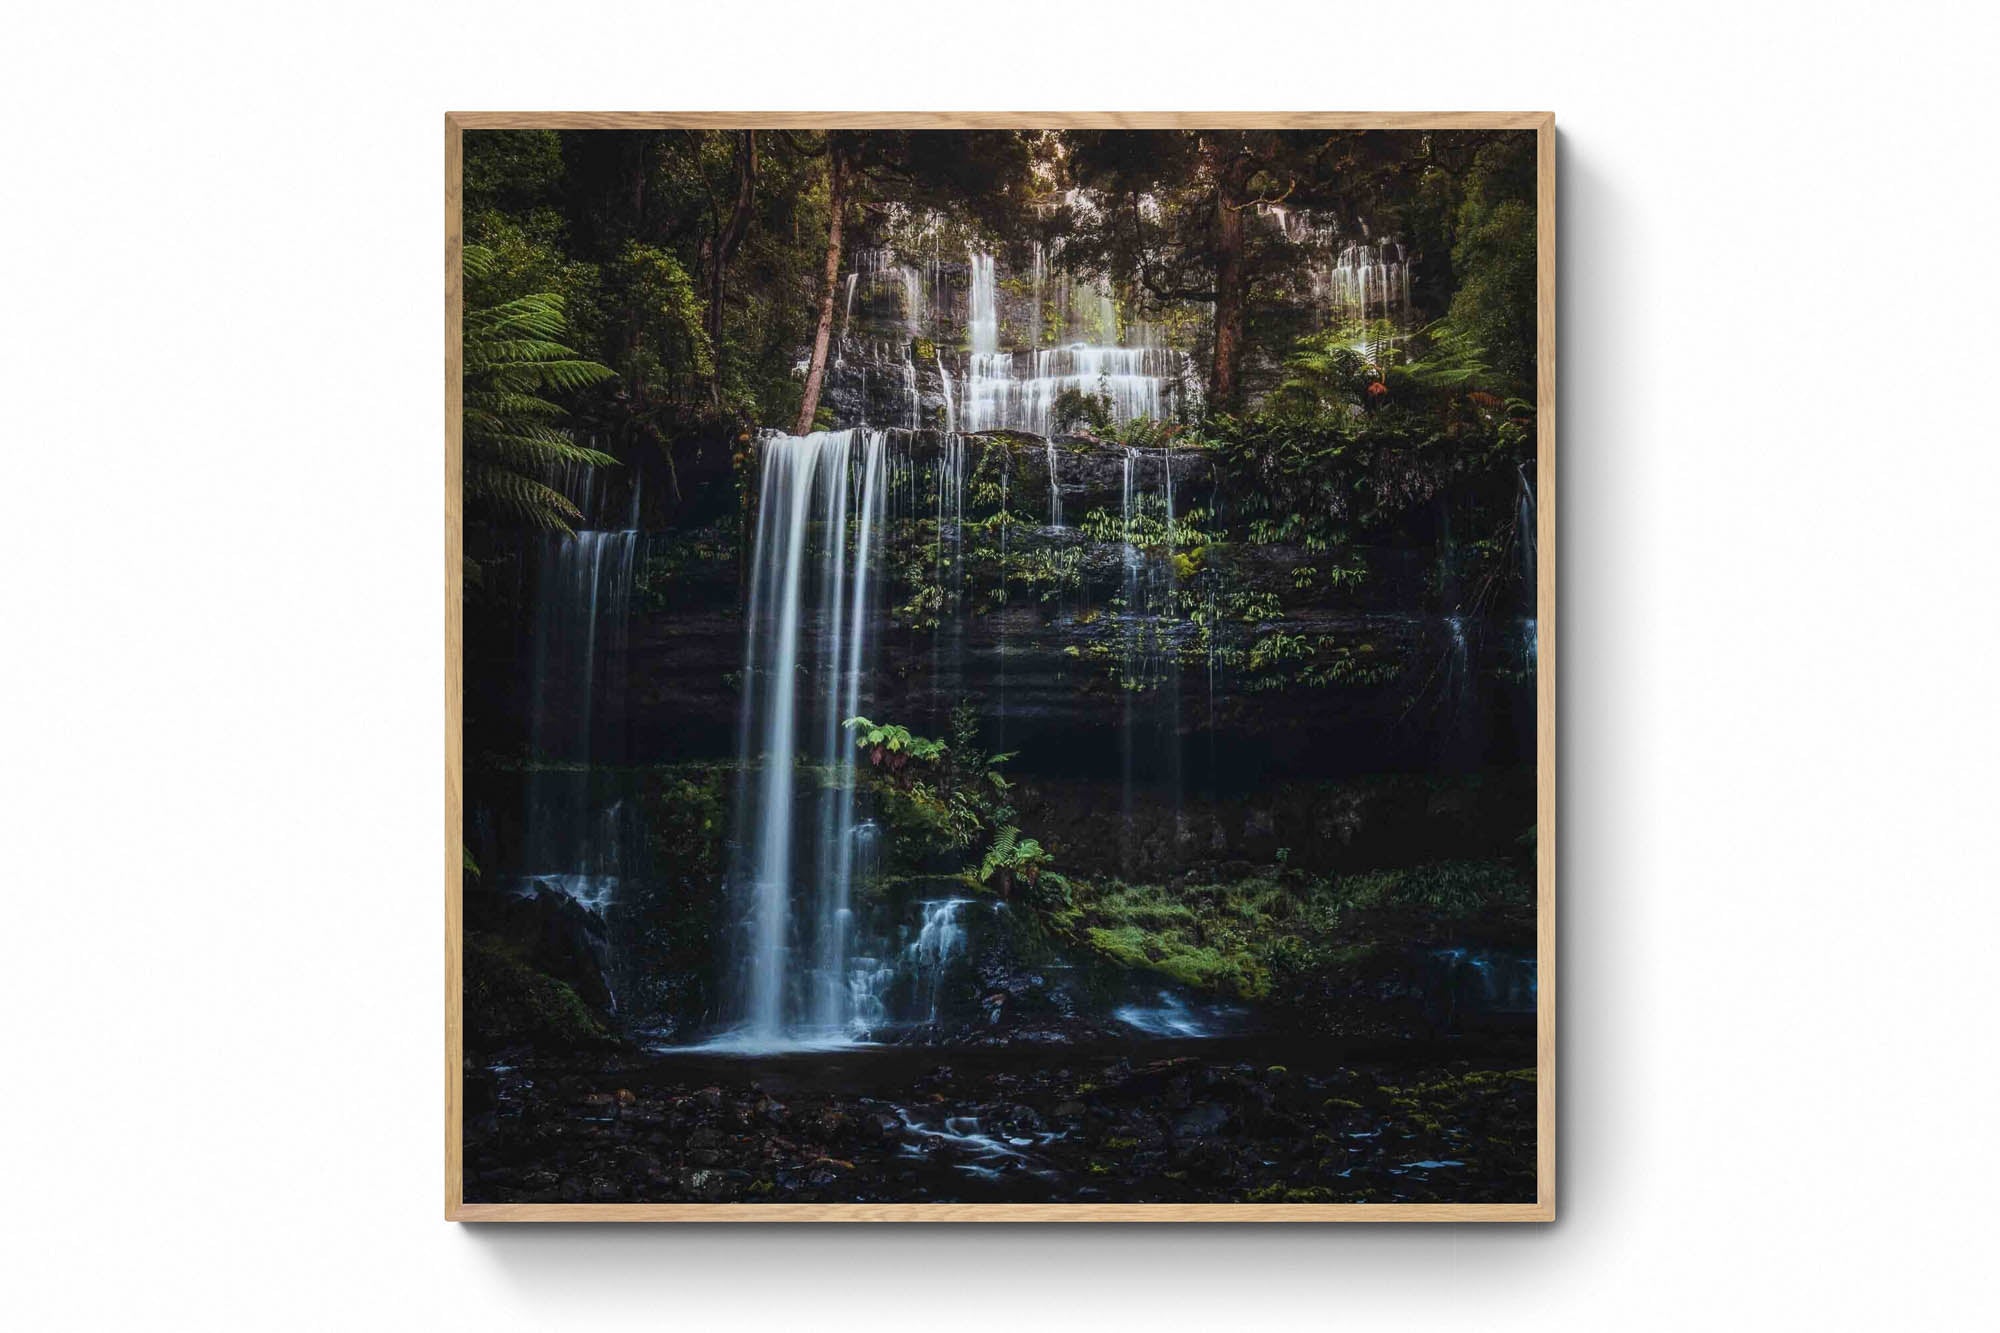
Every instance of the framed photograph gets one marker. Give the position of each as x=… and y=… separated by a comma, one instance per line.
x=1000, y=667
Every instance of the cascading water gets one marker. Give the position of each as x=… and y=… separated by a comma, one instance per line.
x=1009, y=391
x=938, y=942
x=948, y=660
x=1055, y=486
x=1020, y=390
x=982, y=323
x=813, y=572
x=1370, y=282
x=582, y=615
x=812, y=966
x=950, y=409
x=1357, y=286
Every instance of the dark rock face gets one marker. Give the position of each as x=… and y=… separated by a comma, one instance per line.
x=550, y=931
x=1327, y=827
x=1044, y=642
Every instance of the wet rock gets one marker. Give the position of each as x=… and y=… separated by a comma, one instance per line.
x=880, y=1126
x=1020, y=1120
x=713, y=1185
x=551, y=932
x=996, y=1129
x=1202, y=1121
x=831, y=1123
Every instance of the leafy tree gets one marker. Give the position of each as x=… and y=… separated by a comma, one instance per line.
x=1495, y=254
x=1167, y=211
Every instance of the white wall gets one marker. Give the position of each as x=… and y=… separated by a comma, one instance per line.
x=221, y=804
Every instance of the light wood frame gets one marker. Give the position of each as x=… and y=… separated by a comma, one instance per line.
x=1543, y=1209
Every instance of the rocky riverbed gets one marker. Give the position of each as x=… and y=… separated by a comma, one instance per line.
x=1243, y=1120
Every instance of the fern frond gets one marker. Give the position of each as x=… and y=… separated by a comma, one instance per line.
x=540, y=315
x=493, y=353
x=478, y=262
x=514, y=353
x=504, y=402
x=540, y=451
x=522, y=498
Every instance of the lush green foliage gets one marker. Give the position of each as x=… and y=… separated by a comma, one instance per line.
x=515, y=359
x=942, y=799
x=1015, y=861
x=1259, y=937
x=893, y=744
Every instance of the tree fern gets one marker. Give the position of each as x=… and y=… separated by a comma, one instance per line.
x=514, y=356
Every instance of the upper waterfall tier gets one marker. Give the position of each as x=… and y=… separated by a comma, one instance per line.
x=965, y=345
x=1019, y=391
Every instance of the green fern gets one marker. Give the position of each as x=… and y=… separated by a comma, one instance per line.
x=1002, y=854
x=514, y=356
x=888, y=738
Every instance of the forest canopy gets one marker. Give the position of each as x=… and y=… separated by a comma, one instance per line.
x=686, y=281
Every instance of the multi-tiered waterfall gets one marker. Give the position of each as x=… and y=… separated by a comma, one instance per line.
x=1005, y=353
x=812, y=963
x=1018, y=388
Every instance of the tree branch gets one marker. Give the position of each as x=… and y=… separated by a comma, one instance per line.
x=1146, y=278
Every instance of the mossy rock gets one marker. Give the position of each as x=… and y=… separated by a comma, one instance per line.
x=506, y=1000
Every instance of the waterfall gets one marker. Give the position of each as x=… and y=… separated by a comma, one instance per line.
x=1018, y=391
x=583, y=599
x=941, y=939
x=811, y=623
x=947, y=662
x=1035, y=295
x=913, y=299
x=1368, y=283
x=1000, y=382
x=1128, y=621
x=1459, y=697
x=950, y=411
x=983, y=318
x=1055, y=488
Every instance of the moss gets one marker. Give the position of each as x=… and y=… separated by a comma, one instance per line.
x=1199, y=966
x=1281, y=1193
x=1266, y=936
x=507, y=1000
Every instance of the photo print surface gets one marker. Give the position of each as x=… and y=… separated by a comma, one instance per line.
x=999, y=666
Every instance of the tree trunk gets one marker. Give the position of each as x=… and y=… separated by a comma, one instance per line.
x=1231, y=282
x=836, y=201
x=725, y=246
